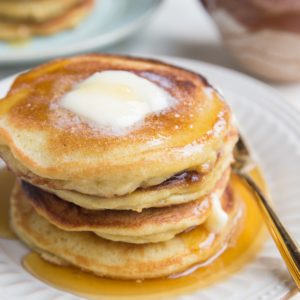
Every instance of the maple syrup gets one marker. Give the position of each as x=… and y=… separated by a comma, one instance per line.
x=246, y=246
x=6, y=185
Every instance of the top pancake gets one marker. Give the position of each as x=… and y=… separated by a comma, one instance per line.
x=55, y=144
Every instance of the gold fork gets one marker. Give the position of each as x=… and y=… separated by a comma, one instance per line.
x=287, y=246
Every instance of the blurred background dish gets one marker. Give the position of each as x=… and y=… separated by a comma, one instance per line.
x=107, y=23
x=262, y=35
x=20, y=21
x=34, y=11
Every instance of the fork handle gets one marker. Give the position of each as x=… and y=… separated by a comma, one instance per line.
x=287, y=246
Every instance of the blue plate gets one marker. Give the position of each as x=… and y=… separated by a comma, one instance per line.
x=109, y=22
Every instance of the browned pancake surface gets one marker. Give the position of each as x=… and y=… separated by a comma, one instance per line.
x=55, y=144
x=122, y=260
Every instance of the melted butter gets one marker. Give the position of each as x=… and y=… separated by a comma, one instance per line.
x=117, y=99
x=218, y=218
x=6, y=185
x=224, y=263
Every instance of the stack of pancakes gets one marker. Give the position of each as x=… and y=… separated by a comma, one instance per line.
x=136, y=205
x=20, y=19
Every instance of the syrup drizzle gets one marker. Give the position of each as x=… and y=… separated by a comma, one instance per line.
x=87, y=285
x=6, y=185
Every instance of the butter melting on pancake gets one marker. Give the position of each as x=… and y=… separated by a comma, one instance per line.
x=116, y=99
x=67, y=154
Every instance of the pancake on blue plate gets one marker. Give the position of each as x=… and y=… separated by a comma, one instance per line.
x=20, y=20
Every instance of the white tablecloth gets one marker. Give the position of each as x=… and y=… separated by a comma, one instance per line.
x=182, y=28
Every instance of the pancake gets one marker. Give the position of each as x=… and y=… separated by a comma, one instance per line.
x=117, y=259
x=151, y=225
x=33, y=10
x=12, y=30
x=181, y=188
x=58, y=149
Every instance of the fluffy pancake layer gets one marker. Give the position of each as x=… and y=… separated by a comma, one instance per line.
x=64, y=17
x=52, y=147
x=117, y=259
x=181, y=188
x=151, y=225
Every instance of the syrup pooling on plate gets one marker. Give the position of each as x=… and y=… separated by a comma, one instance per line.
x=6, y=185
x=242, y=249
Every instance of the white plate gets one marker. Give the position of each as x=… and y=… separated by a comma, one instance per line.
x=109, y=22
x=272, y=128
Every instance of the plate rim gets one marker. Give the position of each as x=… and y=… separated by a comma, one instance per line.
x=281, y=102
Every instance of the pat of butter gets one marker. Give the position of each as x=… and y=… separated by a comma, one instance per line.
x=218, y=218
x=116, y=99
